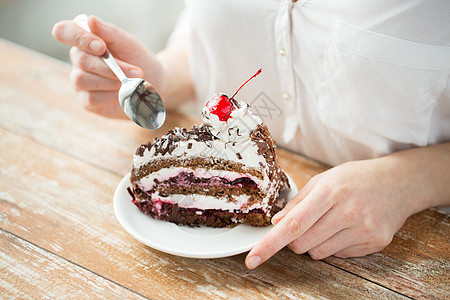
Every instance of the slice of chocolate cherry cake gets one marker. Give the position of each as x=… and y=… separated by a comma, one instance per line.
x=220, y=174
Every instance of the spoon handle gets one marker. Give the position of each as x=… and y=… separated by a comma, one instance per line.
x=81, y=20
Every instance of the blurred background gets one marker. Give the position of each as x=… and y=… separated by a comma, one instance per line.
x=29, y=22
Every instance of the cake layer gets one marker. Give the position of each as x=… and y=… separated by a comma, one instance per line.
x=222, y=189
x=208, y=202
x=209, y=217
x=229, y=194
x=194, y=163
x=185, y=176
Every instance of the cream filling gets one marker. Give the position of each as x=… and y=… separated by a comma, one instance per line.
x=209, y=202
x=148, y=181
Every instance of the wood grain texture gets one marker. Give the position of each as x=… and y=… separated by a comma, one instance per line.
x=65, y=207
x=417, y=263
x=26, y=271
x=59, y=166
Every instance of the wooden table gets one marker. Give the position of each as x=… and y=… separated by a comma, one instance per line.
x=59, y=238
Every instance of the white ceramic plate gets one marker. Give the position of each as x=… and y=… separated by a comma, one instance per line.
x=198, y=242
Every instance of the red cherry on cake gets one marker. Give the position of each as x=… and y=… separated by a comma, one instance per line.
x=221, y=106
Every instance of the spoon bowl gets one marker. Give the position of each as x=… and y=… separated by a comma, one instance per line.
x=138, y=99
x=142, y=105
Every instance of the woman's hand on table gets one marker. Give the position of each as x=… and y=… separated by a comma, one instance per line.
x=96, y=84
x=355, y=209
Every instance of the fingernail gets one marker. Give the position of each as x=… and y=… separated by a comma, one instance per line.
x=253, y=262
x=277, y=217
x=275, y=221
x=95, y=46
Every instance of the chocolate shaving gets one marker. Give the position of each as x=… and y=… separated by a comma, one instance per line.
x=163, y=194
x=140, y=151
x=130, y=192
x=169, y=142
x=266, y=147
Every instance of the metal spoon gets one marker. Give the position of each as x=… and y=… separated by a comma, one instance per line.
x=140, y=102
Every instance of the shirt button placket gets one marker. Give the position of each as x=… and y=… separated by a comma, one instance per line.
x=283, y=30
x=287, y=59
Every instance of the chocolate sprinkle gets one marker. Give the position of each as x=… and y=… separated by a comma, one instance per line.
x=141, y=149
x=169, y=142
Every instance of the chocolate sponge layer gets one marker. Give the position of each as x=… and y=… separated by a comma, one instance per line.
x=213, y=163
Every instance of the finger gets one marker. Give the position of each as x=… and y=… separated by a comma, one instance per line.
x=357, y=251
x=102, y=103
x=343, y=239
x=120, y=43
x=326, y=227
x=294, y=201
x=71, y=34
x=353, y=242
x=94, y=64
x=90, y=63
x=369, y=243
x=92, y=82
x=294, y=224
x=291, y=204
x=110, y=111
x=93, y=100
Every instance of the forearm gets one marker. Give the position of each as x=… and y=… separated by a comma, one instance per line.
x=177, y=87
x=424, y=173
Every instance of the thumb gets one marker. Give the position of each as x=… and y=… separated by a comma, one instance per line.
x=123, y=45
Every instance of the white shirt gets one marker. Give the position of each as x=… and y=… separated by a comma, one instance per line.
x=341, y=80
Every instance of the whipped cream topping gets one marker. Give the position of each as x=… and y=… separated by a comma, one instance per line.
x=237, y=127
x=215, y=148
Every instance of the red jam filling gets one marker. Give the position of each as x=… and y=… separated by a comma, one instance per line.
x=188, y=178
